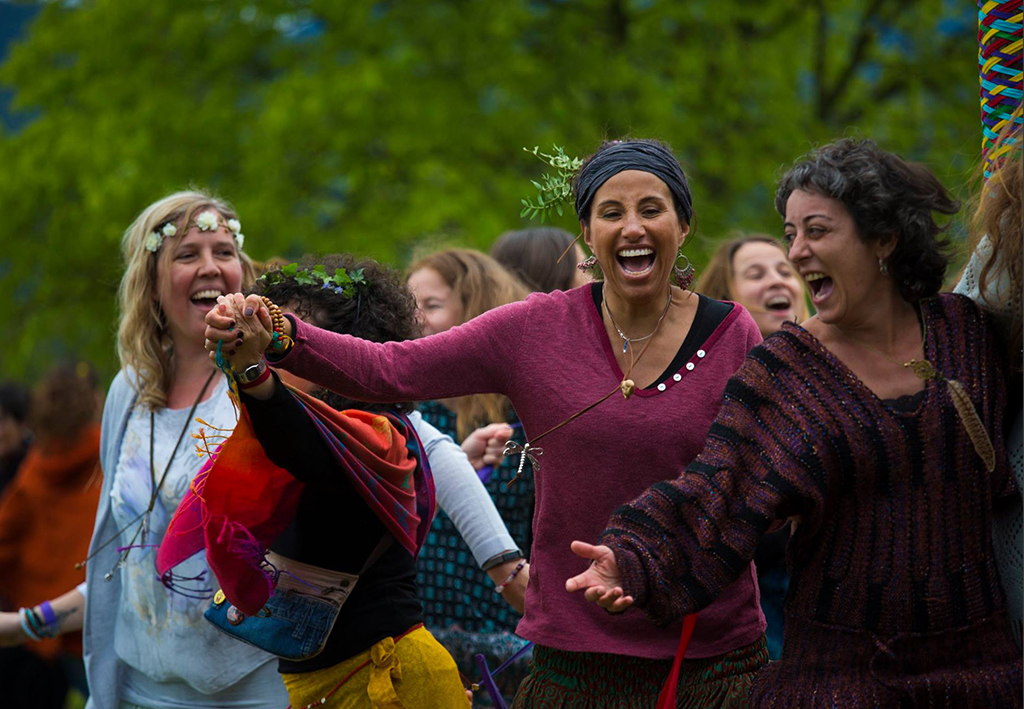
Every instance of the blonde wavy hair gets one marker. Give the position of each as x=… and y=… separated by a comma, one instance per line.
x=718, y=277
x=998, y=217
x=143, y=343
x=480, y=284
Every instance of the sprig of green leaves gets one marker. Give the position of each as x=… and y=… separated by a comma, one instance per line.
x=342, y=282
x=553, y=191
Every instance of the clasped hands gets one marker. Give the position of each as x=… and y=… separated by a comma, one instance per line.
x=240, y=327
x=244, y=327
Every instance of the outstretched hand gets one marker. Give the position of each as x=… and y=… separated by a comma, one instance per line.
x=602, y=581
x=243, y=324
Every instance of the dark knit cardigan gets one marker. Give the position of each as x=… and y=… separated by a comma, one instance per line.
x=894, y=508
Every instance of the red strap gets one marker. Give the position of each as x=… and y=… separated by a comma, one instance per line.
x=667, y=699
x=257, y=381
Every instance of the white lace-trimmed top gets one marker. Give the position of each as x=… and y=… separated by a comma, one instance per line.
x=1003, y=302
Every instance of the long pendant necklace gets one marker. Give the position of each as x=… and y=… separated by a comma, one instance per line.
x=924, y=370
x=143, y=529
x=627, y=341
x=625, y=387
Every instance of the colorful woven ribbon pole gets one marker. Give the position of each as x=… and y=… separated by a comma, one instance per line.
x=999, y=61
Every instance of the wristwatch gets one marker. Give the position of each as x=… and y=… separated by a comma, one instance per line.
x=251, y=374
x=499, y=559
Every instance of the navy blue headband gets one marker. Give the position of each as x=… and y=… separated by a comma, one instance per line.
x=633, y=155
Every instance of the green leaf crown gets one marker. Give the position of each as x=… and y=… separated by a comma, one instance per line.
x=554, y=192
x=342, y=282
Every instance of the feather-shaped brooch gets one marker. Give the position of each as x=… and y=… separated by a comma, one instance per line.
x=964, y=409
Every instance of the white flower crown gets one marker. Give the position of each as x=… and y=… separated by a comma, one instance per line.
x=207, y=221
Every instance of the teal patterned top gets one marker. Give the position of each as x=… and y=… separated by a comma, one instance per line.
x=452, y=588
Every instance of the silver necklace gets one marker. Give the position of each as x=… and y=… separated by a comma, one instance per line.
x=627, y=341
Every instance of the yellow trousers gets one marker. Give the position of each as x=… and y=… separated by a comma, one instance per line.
x=414, y=672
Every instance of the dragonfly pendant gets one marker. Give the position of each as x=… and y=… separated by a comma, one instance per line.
x=527, y=451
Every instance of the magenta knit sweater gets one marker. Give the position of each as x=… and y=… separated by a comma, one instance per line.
x=550, y=356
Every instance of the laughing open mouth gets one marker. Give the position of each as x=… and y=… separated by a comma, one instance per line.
x=206, y=298
x=636, y=261
x=820, y=285
x=778, y=303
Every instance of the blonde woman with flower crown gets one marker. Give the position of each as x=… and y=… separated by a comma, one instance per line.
x=146, y=645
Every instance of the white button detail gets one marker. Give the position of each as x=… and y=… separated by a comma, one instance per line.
x=677, y=376
x=661, y=387
x=701, y=353
x=689, y=366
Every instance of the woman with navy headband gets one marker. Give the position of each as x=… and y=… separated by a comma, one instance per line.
x=615, y=382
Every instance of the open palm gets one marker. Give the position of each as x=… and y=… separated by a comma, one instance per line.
x=602, y=581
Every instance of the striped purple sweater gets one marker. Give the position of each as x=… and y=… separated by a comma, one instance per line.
x=894, y=508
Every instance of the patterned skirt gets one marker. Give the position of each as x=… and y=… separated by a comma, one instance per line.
x=590, y=680
x=496, y=649
x=824, y=666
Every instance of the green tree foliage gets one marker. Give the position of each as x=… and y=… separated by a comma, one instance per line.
x=369, y=125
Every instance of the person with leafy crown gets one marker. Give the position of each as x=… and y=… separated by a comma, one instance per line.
x=183, y=252
x=146, y=646
x=303, y=470
x=615, y=383
x=877, y=428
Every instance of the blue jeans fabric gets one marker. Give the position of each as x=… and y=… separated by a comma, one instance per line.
x=295, y=626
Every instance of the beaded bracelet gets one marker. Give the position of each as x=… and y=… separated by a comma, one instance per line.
x=500, y=588
x=280, y=343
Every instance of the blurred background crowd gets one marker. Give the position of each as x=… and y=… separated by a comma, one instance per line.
x=396, y=131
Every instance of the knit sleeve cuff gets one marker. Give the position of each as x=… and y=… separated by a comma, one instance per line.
x=634, y=577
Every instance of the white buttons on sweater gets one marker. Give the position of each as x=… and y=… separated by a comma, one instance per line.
x=689, y=368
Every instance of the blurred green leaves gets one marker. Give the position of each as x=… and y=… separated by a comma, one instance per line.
x=366, y=126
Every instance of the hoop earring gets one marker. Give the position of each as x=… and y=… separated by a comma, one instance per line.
x=883, y=267
x=683, y=276
x=589, y=264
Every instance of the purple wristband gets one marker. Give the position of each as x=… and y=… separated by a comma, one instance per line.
x=49, y=617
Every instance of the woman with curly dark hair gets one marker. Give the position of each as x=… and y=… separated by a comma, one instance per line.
x=360, y=519
x=877, y=427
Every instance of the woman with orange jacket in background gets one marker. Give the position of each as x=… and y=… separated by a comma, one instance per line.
x=46, y=520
